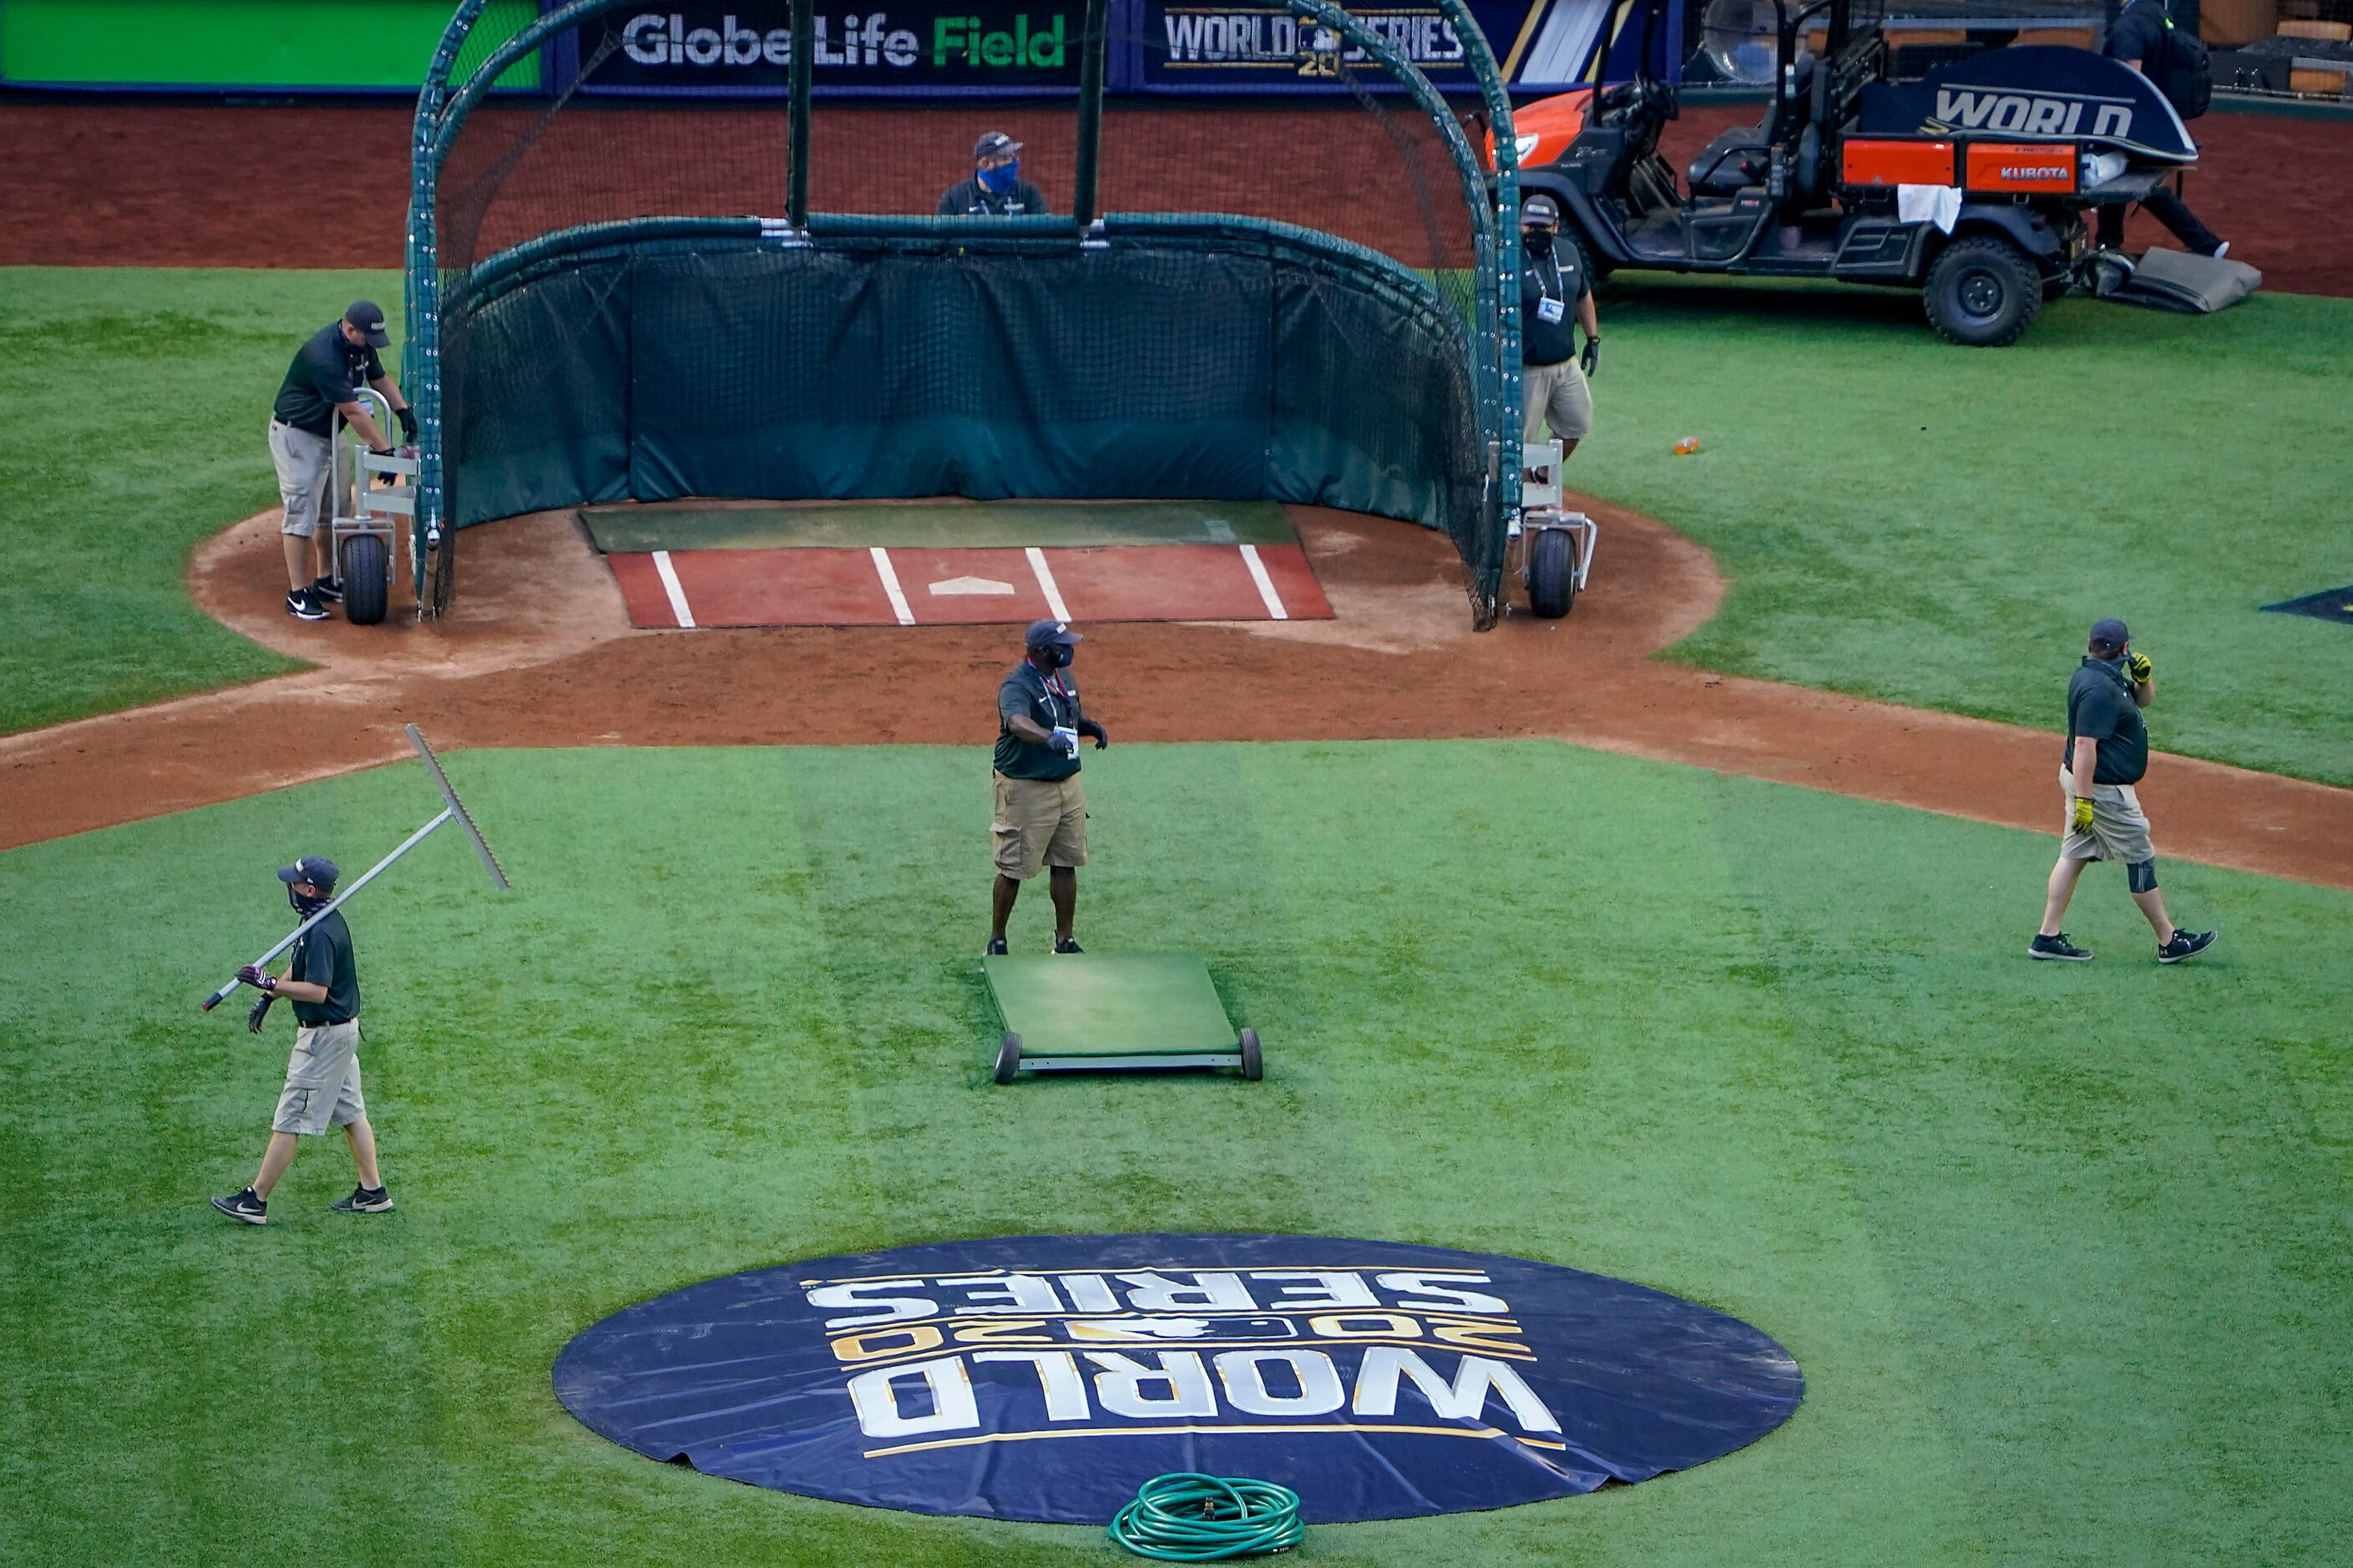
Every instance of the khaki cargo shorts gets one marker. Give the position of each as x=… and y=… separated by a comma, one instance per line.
x=2119, y=829
x=1554, y=394
x=1038, y=822
x=322, y=1082
x=301, y=459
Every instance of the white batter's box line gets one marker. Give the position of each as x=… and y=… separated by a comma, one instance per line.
x=1045, y=574
x=1267, y=595
x=890, y=576
x=674, y=588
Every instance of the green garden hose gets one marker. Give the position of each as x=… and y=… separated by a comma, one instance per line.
x=1187, y=1518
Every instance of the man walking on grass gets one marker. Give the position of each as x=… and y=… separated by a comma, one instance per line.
x=2106, y=753
x=322, y=1078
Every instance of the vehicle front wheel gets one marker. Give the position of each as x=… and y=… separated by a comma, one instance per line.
x=1982, y=293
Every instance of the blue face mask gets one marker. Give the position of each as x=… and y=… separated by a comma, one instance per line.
x=999, y=180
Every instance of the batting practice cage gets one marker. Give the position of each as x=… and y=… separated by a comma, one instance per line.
x=1290, y=298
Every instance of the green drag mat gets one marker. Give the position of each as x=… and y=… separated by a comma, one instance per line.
x=934, y=525
x=1086, y=1005
x=2063, y=1248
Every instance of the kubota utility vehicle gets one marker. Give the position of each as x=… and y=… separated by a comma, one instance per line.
x=1975, y=184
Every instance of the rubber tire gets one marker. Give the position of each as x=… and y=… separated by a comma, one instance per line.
x=1552, y=573
x=1253, y=1064
x=1982, y=293
x=441, y=573
x=367, y=579
x=1008, y=1058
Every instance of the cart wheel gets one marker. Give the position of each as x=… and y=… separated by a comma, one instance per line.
x=367, y=578
x=1008, y=1058
x=1253, y=1064
x=1552, y=573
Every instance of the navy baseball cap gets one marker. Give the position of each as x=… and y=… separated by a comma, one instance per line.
x=368, y=317
x=994, y=144
x=1051, y=634
x=2111, y=632
x=1540, y=208
x=315, y=870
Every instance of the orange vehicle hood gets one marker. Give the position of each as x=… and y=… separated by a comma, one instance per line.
x=1552, y=122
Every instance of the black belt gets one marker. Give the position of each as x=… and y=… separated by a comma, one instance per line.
x=330, y=1023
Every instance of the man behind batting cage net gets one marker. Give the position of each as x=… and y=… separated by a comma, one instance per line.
x=1141, y=298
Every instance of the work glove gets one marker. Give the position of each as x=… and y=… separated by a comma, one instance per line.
x=407, y=417
x=2140, y=667
x=253, y=975
x=1095, y=732
x=1591, y=360
x=258, y=1011
x=384, y=479
x=2080, y=821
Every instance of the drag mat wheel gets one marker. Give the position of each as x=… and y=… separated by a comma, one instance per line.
x=1982, y=293
x=1253, y=1064
x=1008, y=1058
x=1552, y=573
x=367, y=579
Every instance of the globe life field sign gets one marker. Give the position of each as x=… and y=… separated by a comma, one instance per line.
x=1044, y=1378
x=747, y=46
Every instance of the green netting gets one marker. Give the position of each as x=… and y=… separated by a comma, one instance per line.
x=622, y=300
x=1167, y=363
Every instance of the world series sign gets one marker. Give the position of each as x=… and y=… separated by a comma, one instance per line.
x=1045, y=1378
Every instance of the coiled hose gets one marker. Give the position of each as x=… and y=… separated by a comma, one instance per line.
x=1187, y=1518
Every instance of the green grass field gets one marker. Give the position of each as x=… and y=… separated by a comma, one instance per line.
x=2062, y=1250
x=1902, y=519
x=134, y=403
x=1939, y=526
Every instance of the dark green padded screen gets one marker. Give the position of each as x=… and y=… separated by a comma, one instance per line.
x=1145, y=369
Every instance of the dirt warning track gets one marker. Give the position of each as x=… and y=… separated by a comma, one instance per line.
x=540, y=652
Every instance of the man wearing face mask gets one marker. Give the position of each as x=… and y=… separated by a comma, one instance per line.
x=1041, y=816
x=996, y=188
x=322, y=1078
x=1552, y=286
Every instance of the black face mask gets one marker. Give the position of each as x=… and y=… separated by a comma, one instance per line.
x=304, y=906
x=1538, y=240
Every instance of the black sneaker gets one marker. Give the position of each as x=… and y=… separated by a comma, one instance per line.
x=363, y=1200
x=303, y=605
x=995, y=948
x=328, y=590
x=2186, y=944
x=244, y=1205
x=2059, y=947
x=1065, y=944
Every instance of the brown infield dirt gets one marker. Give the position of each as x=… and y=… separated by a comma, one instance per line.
x=538, y=652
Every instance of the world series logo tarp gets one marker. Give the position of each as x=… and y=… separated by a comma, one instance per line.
x=1044, y=1378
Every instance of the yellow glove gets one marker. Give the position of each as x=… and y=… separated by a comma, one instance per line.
x=2081, y=822
x=2140, y=667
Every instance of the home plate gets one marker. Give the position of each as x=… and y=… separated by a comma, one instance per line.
x=971, y=585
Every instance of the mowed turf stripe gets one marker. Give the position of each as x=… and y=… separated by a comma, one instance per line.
x=1567, y=1056
x=1178, y=863
x=2081, y=1179
x=1766, y=1049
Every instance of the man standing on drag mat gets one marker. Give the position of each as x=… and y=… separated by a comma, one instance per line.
x=2108, y=752
x=322, y=1078
x=1041, y=813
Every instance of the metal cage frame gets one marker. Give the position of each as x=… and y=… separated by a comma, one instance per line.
x=1493, y=348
